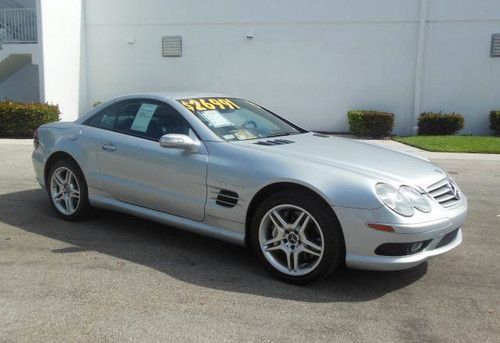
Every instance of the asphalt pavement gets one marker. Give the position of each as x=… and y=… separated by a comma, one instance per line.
x=118, y=278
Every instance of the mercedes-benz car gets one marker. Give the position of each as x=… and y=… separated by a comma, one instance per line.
x=306, y=203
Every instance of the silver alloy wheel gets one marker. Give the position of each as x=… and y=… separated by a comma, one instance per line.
x=291, y=240
x=65, y=191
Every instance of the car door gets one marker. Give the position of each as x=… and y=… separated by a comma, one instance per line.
x=135, y=169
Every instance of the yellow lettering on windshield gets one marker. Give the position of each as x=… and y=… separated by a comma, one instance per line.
x=217, y=103
x=187, y=105
x=229, y=103
x=208, y=104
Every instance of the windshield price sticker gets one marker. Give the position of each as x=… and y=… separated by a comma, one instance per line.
x=208, y=104
x=215, y=119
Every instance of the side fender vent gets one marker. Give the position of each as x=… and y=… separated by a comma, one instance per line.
x=227, y=198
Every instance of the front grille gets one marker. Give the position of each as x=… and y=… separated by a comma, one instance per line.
x=445, y=192
x=448, y=238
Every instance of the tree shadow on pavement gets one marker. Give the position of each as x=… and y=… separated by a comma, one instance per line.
x=188, y=257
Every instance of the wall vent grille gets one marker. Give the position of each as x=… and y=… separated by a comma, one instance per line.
x=171, y=46
x=495, y=45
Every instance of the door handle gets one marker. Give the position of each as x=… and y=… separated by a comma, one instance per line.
x=108, y=147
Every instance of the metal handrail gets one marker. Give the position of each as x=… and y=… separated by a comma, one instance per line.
x=18, y=26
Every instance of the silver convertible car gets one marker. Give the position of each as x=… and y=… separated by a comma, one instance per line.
x=306, y=203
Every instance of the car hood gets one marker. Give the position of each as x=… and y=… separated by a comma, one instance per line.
x=358, y=157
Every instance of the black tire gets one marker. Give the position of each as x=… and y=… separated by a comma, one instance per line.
x=83, y=206
x=334, y=247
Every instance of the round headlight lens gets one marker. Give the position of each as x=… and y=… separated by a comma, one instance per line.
x=418, y=201
x=394, y=199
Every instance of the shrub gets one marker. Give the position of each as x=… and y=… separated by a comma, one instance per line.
x=356, y=122
x=495, y=121
x=370, y=123
x=430, y=123
x=21, y=119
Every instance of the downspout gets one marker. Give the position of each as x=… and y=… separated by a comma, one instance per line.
x=419, y=66
x=83, y=89
x=39, y=60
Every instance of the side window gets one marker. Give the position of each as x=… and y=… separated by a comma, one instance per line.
x=142, y=118
x=167, y=120
x=104, y=119
x=115, y=117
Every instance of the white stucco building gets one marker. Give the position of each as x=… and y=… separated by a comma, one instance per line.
x=308, y=60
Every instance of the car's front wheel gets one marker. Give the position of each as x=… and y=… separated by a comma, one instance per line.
x=68, y=190
x=297, y=237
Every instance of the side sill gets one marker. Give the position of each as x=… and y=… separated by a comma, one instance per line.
x=168, y=219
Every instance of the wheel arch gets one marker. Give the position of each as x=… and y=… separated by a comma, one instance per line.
x=54, y=158
x=272, y=188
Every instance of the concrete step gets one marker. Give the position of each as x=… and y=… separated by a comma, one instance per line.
x=15, y=56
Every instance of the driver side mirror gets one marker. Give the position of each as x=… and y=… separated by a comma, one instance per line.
x=178, y=141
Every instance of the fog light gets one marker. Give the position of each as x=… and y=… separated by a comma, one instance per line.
x=401, y=249
x=415, y=247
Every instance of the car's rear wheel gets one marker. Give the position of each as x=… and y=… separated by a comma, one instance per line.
x=68, y=190
x=297, y=237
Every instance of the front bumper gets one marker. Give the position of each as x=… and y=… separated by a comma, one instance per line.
x=362, y=241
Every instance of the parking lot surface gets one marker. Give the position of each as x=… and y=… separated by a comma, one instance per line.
x=118, y=278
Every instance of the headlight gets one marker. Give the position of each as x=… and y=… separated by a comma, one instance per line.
x=394, y=199
x=402, y=200
x=418, y=201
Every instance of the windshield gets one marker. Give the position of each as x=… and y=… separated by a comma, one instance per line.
x=236, y=119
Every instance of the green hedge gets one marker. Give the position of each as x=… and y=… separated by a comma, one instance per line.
x=430, y=123
x=20, y=120
x=370, y=123
x=495, y=121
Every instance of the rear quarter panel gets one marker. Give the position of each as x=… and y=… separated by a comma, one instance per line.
x=69, y=138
